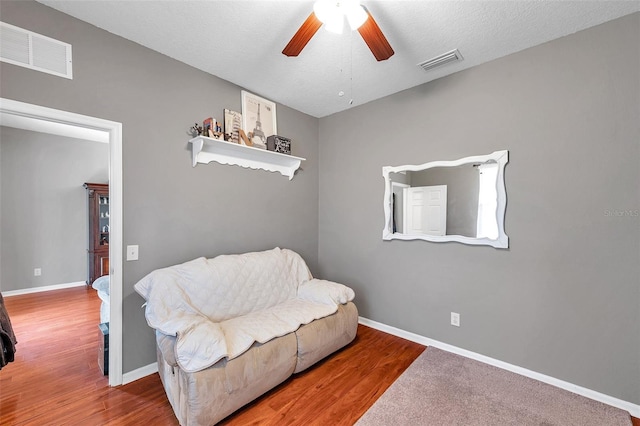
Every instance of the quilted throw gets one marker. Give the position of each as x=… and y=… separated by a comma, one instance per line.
x=219, y=307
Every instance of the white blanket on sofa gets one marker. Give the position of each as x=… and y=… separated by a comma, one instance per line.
x=219, y=307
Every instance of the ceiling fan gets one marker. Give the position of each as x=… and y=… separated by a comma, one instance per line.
x=332, y=14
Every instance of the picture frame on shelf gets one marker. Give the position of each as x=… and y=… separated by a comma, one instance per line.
x=258, y=118
x=279, y=144
x=232, y=125
x=207, y=127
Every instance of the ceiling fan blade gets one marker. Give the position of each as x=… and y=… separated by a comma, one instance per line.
x=302, y=36
x=377, y=42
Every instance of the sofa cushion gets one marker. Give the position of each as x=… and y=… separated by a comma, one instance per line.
x=262, y=326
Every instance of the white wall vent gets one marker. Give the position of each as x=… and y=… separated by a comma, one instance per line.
x=37, y=52
x=445, y=58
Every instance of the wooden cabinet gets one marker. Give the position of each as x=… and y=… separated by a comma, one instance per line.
x=98, y=244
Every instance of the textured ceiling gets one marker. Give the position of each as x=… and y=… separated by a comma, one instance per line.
x=240, y=41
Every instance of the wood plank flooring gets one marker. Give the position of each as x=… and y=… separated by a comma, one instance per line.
x=338, y=390
x=56, y=380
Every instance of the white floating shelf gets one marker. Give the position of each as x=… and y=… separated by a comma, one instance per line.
x=205, y=150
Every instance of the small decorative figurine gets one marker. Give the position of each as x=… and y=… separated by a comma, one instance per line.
x=195, y=130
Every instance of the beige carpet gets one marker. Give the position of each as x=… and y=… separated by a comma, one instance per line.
x=441, y=388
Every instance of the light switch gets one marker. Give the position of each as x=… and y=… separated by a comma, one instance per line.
x=132, y=253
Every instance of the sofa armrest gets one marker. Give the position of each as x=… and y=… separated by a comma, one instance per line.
x=325, y=292
x=167, y=345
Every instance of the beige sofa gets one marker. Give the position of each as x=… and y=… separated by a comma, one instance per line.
x=229, y=329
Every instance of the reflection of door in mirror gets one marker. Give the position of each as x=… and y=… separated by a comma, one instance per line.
x=426, y=210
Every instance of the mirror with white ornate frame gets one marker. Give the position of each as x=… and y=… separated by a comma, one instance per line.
x=461, y=200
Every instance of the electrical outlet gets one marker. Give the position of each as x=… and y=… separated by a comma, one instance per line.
x=132, y=252
x=455, y=319
x=37, y=272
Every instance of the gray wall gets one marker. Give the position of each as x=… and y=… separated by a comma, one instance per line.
x=463, y=184
x=173, y=211
x=43, y=217
x=564, y=299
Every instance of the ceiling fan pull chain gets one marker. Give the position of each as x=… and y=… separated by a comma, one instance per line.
x=351, y=72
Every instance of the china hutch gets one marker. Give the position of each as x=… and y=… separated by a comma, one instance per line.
x=98, y=246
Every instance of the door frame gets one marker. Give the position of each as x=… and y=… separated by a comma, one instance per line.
x=28, y=111
x=404, y=211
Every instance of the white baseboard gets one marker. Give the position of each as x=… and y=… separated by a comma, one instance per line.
x=43, y=288
x=633, y=409
x=139, y=373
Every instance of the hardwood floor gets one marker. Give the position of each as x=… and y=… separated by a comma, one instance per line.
x=56, y=380
x=338, y=390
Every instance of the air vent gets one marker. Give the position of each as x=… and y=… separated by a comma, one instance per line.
x=37, y=52
x=438, y=61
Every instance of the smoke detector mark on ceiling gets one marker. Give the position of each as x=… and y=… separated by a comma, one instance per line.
x=438, y=61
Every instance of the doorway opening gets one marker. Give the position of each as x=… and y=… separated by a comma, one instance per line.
x=48, y=120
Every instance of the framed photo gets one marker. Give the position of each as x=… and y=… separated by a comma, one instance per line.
x=258, y=119
x=279, y=144
x=208, y=127
x=232, y=125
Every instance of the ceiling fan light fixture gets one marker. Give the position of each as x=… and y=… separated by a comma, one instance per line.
x=356, y=16
x=332, y=13
x=334, y=24
x=324, y=10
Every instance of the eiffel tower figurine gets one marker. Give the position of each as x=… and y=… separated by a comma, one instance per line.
x=257, y=131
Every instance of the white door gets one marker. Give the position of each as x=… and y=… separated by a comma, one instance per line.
x=426, y=209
